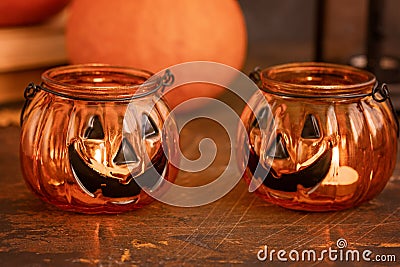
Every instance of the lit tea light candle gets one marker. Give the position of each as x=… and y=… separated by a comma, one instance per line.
x=344, y=175
x=342, y=179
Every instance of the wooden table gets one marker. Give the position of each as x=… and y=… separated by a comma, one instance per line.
x=230, y=231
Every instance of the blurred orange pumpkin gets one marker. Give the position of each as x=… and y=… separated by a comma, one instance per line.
x=26, y=12
x=155, y=34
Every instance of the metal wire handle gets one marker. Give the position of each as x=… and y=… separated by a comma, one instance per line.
x=255, y=75
x=383, y=90
x=378, y=89
x=29, y=94
x=167, y=79
x=32, y=89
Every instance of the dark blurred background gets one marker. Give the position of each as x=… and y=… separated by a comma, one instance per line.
x=286, y=30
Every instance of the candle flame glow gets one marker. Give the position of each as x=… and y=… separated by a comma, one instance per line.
x=97, y=155
x=340, y=175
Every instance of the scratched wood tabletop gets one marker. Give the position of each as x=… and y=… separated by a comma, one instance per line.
x=230, y=231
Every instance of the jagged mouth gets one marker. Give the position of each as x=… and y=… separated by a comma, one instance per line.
x=91, y=181
x=308, y=177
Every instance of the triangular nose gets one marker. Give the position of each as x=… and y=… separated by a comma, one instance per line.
x=278, y=149
x=126, y=154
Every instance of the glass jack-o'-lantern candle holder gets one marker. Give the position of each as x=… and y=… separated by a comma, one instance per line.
x=90, y=133
x=326, y=140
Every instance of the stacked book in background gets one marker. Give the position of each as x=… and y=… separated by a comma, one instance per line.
x=25, y=52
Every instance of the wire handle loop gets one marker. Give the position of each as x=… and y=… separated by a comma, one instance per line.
x=30, y=91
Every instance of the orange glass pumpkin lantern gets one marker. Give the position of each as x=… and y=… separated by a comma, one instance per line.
x=90, y=133
x=327, y=140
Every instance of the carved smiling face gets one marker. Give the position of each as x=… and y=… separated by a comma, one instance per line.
x=104, y=162
x=291, y=157
x=98, y=138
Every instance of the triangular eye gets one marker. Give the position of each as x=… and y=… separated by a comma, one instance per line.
x=126, y=154
x=280, y=149
x=149, y=126
x=94, y=130
x=310, y=129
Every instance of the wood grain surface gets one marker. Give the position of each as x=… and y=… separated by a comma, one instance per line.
x=229, y=231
